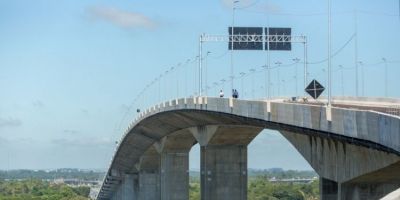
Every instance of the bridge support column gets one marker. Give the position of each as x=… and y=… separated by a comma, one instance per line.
x=368, y=191
x=331, y=190
x=149, y=175
x=129, y=187
x=223, y=172
x=174, y=150
x=224, y=160
x=328, y=189
x=348, y=171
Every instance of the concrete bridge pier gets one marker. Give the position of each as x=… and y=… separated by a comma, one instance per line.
x=331, y=190
x=129, y=187
x=223, y=162
x=328, y=189
x=348, y=171
x=174, y=151
x=149, y=175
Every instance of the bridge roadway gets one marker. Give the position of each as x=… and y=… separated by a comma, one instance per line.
x=354, y=146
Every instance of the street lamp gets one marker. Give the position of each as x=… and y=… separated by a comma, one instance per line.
x=186, y=66
x=206, y=70
x=279, y=65
x=252, y=81
x=241, y=80
x=341, y=78
x=265, y=67
x=329, y=55
x=362, y=76
x=386, y=77
x=232, y=35
x=296, y=60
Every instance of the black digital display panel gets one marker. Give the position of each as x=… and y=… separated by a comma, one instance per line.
x=280, y=39
x=246, y=34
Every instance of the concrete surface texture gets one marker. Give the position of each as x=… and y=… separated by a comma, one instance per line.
x=354, y=147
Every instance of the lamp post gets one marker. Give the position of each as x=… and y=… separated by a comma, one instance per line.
x=232, y=33
x=361, y=64
x=386, y=77
x=265, y=67
x=341, y=78
x=241, y=81
x=252, y=82
x=206, y=70
x=215, y=86
x=279, y=78
x=329, y=55
x=177, y=79
x=186, y=66
x=296, y=60
x=356, y=49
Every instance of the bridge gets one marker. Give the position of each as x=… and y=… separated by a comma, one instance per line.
x=354, y=146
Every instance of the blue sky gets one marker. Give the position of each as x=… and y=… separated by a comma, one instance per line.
x=70, y=70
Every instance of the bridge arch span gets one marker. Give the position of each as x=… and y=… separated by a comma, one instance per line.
x=352, y=144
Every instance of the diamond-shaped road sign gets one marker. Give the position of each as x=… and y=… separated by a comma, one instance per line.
x=315, y=89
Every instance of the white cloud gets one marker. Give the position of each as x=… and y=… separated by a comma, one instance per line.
x=84, y=142
x=121, y=18
x=70, y=131
x=38, y=104
x=10, y=122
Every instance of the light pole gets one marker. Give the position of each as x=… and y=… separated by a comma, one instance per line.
x=159, y=87
x=279, y=78
x=356, y=49
x=296, y=60
x=241, y=81
x=165, y=84
x=186, y=66
x=177, y=80
x=172, y=80
x=341, y=78
x=361, y=64
x=196, y=76
x=265, y=67
x=329, y=54
x=386, y=77
x=232, y=33
x=223, y=84
x=215, y=86
x=206, y=70
x=252, y=82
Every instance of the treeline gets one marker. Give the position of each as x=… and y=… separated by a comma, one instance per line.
x=40, y=190
x=279, y=173
x=52, y=174
x=260, y=188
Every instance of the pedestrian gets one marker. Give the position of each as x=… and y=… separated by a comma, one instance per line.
x=235, y=93
x=221, y=93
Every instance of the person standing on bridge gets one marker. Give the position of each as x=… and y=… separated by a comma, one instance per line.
x=235, y=94
x=221, y=93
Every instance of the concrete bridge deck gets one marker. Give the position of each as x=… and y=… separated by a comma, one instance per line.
x=354, y=147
